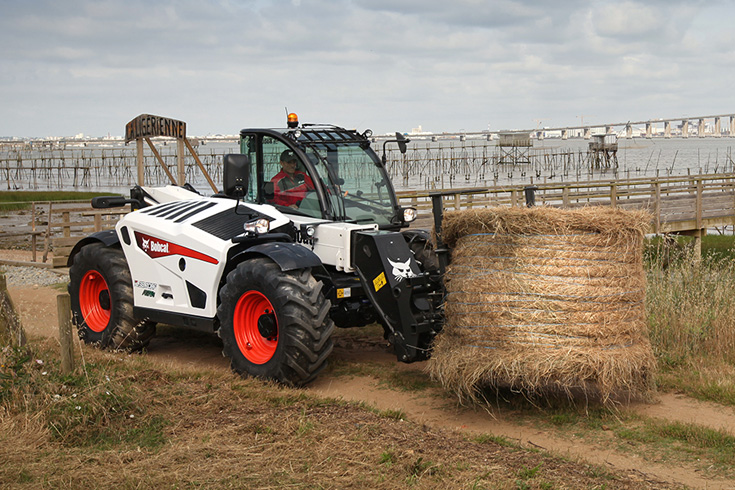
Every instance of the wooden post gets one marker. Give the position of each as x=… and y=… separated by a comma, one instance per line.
x=139, y=161
x=9, y=318
x=613, y=195
x=33, y=231
x=63, y=310
x=47, y=239
x=657, y=204
x=565, y=196
x=66, y=226
x=697, y=250
x=180, y=168
x=200, y=164
x=699, y=204
x=160, y=160
x=700, y=231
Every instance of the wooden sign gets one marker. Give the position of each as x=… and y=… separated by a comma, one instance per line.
x=148, y=126
x=145, y=127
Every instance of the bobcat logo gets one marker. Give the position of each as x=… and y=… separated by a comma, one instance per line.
x=402, y=270
x=145, y=243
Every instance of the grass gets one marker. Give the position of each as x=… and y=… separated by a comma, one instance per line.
x=17, y=200
x=652, y=439
x=691, y=318
x=210, y=429
x=138, y=423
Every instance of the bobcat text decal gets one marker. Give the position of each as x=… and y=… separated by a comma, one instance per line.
x=155, y=248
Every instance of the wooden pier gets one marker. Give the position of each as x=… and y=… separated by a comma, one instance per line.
x=682, y=205
x=686, y=205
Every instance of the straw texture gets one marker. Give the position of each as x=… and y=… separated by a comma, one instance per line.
x=545, y=299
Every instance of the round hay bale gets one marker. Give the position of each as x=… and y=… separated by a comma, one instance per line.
x=543, y=299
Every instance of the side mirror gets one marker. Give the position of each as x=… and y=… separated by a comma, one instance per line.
x=401, y=140
x=105, y=202
x=235, y=174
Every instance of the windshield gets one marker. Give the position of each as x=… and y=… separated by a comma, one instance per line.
x=357, y=185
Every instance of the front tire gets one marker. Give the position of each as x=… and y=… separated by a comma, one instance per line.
x=419, y=242
x=275, y=324
x=101, y=294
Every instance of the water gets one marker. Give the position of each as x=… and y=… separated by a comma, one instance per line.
x=451, y=163
x=478, y=163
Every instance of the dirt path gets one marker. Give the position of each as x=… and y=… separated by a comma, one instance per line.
x=432, y=409
x=38, y=311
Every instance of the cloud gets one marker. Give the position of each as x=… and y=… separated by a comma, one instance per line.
x=90, y=66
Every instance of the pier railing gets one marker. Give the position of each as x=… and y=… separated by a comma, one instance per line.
x=684, y=205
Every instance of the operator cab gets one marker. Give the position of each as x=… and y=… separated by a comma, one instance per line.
x=321, y=171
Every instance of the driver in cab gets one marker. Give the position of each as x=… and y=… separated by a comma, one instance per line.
x=290, y=185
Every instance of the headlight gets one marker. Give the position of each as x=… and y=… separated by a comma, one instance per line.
x=258, y=226
x=409, y=214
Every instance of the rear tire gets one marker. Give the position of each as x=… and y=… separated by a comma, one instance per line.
x=101, y=295
x=275, y=324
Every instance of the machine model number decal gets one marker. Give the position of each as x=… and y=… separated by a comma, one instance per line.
x=156, y=247
x=379, y=281
x=146, y=285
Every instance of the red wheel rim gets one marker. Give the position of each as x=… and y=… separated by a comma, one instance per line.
x=96, y=314
x=254, y=346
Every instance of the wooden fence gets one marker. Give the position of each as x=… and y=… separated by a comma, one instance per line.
x=54, y=227
x=685, y=205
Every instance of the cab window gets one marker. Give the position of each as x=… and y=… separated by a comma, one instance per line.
x=249, y=147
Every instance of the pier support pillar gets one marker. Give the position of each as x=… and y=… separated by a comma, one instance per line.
x=700, y=129
x=649, y=133
x=732, y=126
x=628, y=131
x=685, y=128
x=697, y=245
x=718, y=129
x=564, y=134
x=667, y=129
x=587, y=133
x=608, y=129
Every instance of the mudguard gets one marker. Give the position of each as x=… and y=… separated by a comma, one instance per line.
x=288, y=256
x=108, y=237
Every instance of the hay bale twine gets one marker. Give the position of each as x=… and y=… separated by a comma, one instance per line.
x=545, y=299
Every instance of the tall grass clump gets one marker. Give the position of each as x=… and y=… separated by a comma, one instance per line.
x=690, y=307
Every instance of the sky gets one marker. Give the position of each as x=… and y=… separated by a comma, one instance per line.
x=90, y=66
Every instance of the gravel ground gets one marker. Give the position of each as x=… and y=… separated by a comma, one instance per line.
x=31, y=276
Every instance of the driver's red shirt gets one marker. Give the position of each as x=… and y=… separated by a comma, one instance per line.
x=288, y=190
